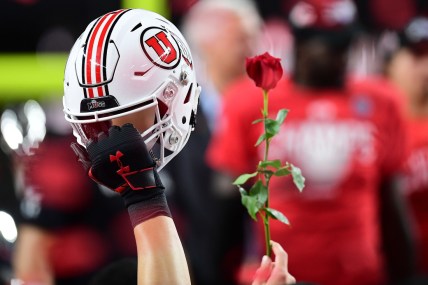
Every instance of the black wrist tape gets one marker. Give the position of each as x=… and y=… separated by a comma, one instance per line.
x=144, y=210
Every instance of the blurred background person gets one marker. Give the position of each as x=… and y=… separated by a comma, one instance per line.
x=406, y=65
x=68, y=228
x=31, y=68
x=211, y=221
x=348, y=137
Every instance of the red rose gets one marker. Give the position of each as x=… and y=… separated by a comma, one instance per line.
x=265, y=70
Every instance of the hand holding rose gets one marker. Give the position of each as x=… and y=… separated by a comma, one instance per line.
x=274, y=273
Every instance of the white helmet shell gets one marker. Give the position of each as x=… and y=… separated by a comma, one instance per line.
x=127, y=61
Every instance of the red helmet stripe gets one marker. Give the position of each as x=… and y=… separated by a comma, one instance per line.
x=89, y=54
x=96, y=44
x=100, y=47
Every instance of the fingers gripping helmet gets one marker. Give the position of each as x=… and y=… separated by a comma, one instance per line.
x=130, y=61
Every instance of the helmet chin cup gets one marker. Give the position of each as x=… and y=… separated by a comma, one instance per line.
x=128, y=61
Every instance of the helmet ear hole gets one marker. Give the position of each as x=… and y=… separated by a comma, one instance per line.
x=183, y=120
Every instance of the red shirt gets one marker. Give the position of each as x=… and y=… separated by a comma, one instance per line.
x=416, y=185
x=345, y=143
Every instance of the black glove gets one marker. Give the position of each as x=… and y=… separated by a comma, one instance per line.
x=121, y=162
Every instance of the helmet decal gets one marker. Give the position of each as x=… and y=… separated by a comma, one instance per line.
x=95, y=51
x=161, y=47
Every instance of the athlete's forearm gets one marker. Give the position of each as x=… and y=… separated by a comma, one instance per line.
x=161, y=258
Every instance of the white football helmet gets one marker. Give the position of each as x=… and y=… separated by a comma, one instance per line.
x=127, y=61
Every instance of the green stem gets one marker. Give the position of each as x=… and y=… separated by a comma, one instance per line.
x=267, y=234
x=265, y=116
x=266, y=216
